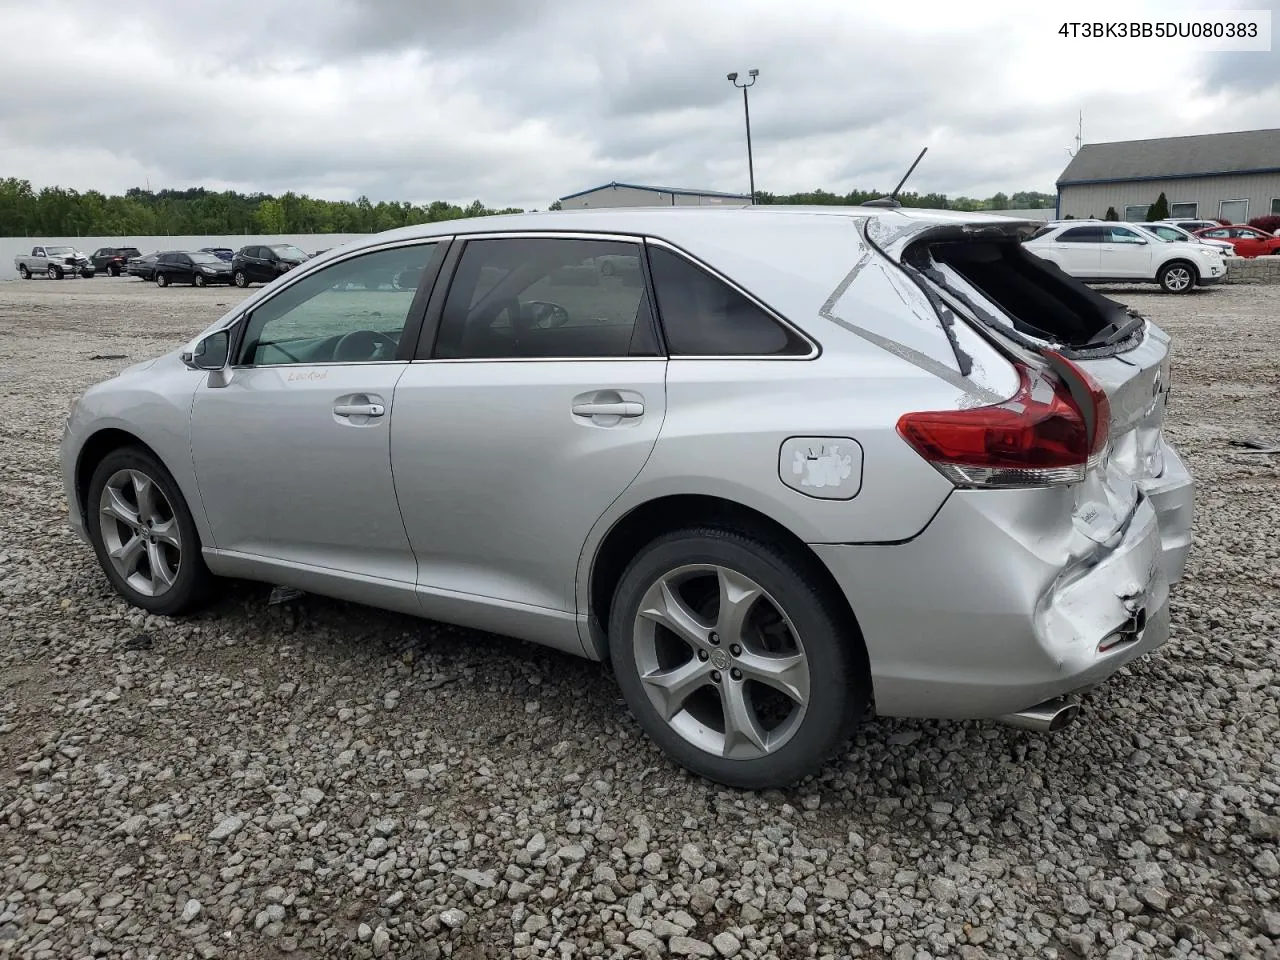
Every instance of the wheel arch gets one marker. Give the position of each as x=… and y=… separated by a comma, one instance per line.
x=1180, y=261
x=95, y=449
x=647, y=521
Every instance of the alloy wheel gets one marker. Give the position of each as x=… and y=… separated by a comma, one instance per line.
x=721, y=662
x=1178, y=279
x=140, y=532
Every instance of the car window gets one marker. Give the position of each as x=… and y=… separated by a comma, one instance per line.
x=352, y=311
x=1081, y=235
x=546, y=298
x=703, y=316
x=1122, y=235
x=1216, y=233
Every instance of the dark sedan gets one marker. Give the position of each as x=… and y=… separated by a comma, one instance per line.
x=144, y=268
x=198, y=268
x=263, y=263
x=113, y=260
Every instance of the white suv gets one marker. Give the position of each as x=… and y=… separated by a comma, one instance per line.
x=1104, y=251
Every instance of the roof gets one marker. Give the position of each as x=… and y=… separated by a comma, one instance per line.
x=1166, y=158
x=675, y=190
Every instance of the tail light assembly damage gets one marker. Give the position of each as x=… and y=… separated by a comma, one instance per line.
x=1052, y=431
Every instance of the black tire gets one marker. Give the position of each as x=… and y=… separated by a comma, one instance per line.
x=23, y=272
x=54, y=273
x=193, y=581
x=113, y=271
x=838, y=684
x=162, y=279
x=198, y=280
x=240, y=279
x=1178, y=276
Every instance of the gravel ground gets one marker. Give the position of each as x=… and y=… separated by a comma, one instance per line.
x=315, y=777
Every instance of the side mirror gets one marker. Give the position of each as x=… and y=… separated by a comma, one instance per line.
x=210, y=353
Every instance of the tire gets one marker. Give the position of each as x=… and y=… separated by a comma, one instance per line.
x=162, y=279
x=23, y=272
x=185, y=580
x=198, y=280
x=1177, y=276
x=113, y=271
x=53, y=273
x=240, y=279
x=807, y=635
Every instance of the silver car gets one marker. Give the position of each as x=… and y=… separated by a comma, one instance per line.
x=799, y=465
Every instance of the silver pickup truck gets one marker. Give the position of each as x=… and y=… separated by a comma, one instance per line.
x=54, y=263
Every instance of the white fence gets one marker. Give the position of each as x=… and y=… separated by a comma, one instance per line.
x=11, y=247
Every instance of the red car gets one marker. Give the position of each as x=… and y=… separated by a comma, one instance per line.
x=1248, y=241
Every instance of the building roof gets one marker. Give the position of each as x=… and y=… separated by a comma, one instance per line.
x=1203, y=155
x=674, y=190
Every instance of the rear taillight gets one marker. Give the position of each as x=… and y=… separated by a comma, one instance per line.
x=1050, y=432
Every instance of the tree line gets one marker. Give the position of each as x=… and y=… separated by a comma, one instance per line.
x=62, y=212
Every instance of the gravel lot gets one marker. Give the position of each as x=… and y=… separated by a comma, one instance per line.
x=331, y=781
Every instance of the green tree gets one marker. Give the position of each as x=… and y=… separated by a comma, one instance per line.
x=998, y=202
x=1111, y=214
x=556, y=205
x=1158, y=210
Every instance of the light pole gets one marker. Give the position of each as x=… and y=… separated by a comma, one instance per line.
x=746, y=112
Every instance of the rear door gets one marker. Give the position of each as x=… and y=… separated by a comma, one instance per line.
x=1125, y=253
x=1076, y=251
x=529, y=412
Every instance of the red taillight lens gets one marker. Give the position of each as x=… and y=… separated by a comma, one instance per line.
x=1041, y=435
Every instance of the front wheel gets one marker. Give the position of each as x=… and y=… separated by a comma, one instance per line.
x=241, y=280
x=162, y=279
x=23, y=272
x=143, y=533
x=732, y=660
x=54, y=273
x=199, y=280
x=1177, y=277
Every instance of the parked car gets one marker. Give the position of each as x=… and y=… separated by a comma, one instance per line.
x=262, y=263
x=1247, y=241
x=222, y=253
x=771, y=498
x=1175, y=234
x=144, y=267
x=1108, y=252
x=113, y=260
x=53, y=262
x=183, y=266
x=1191, y=225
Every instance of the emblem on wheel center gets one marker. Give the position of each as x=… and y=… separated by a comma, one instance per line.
x=720, y=660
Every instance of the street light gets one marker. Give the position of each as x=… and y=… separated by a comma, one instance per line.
x=746, y=112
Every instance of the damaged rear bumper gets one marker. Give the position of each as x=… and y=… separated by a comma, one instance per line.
x=1172, y=494
x=998, y=606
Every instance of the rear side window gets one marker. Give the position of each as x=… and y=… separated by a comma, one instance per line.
x=704, y=317
x=1081, y=235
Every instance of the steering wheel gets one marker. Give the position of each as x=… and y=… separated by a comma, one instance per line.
x=544, y=314
x=362, y=345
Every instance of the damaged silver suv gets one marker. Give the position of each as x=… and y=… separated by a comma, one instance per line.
x=797, y=464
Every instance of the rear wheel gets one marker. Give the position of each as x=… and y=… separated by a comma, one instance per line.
x=731, y=659
x=241, y=280
x=143, y=533
x=23, y=272
x=113, y=271
x=162, y=279
x=1177, y=277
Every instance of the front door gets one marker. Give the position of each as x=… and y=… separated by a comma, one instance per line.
x=292, y=455
x=1124, y=253
x=538, y=406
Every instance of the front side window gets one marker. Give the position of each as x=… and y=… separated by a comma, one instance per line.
x=545, y=298
x=1122, y=235
x=288, y=251
x=704, y=316
x=353, y=311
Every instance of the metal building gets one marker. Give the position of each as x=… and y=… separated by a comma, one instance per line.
x=635, y=195
x=1228, y=176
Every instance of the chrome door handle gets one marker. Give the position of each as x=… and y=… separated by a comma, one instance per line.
x=623, y=408
x=359, y=410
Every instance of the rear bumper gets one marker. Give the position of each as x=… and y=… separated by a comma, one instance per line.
x=995, y=607
x=1172, y=495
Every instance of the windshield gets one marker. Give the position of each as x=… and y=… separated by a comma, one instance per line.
x=288, y=250
x=1168, y=233
x=60, y=251
x=204, y=258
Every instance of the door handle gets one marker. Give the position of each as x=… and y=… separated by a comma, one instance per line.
x=622, y=408
x=359, y=410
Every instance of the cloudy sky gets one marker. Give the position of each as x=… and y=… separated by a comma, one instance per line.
x=521, y=101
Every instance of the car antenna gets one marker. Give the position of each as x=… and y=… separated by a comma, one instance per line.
x=892, y=199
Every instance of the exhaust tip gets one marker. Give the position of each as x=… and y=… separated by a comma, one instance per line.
x=1047, y=717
